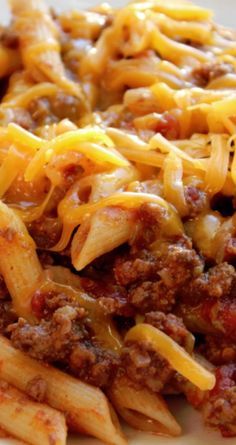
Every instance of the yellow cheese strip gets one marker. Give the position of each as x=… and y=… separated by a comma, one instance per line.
x=178, y=358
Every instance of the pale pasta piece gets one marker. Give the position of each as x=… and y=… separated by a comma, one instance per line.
x=142, y=408
x=104, y=231
x=33, y=422
x=86, y=407
x=19, y=264
x=39, y=45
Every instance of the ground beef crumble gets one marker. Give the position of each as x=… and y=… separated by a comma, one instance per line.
x=63, y=338
x=146, y=367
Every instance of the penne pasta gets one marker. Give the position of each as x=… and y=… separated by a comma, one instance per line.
x=21, y=418
x=87, y=409
x=39, y=45
x=19, y=264
x=91, y=240
x=142, y=408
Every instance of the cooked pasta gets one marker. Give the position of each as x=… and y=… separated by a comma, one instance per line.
x=117, y=219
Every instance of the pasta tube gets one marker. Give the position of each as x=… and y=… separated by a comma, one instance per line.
x=33, y=422
x=86, y=407
x=19, y=264
x=39, y=46
x=142, y=409
x=103, y=232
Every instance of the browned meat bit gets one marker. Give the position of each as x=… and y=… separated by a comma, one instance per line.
x=146, y=367
x=37, y=389
x=219, y=407
x=215, y=283
x=63, y=338
x=155, y=283
x=50, y=340
x=172, y=326
x=210, y=71
x=219, y=350
x=93, y=364
x=128, y=271
x=196, y=200
x=152, y=296
x=149, y=220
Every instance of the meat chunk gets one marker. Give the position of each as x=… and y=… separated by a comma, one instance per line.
x=128, y=270
x=152, y=295
x=218, y=350
x=196, y=200
x=143, y=365
x=63, y=338
x=210, y=71
x=219, y=408
x=216, y=283
x=154, y=281
x=172, y=326
x=50, y=340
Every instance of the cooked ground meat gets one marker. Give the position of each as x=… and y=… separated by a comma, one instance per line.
x=128, y=270
x=49, y=340
x=172, y=326
x=219, y=407
x=196, y=200
x=218, y=350
x=154, y=281
x=93, y=364
x=216, y=283
x=152, y=296
x=145, y=367
x=210, y=71
x=64, y=339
